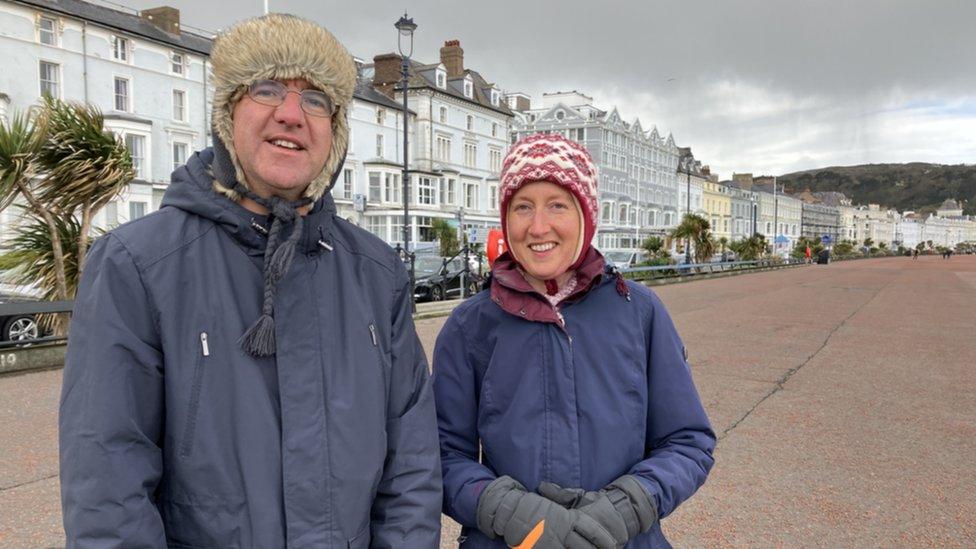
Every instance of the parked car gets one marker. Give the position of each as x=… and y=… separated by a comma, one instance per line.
x=625, y=258
x=18, y=327
x=434, y=281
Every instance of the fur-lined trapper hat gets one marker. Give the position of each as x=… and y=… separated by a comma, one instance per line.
x=281, y=47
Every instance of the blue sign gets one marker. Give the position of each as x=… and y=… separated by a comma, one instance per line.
x=825, y=239
x=781, y=240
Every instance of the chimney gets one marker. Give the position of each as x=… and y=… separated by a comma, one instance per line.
x=165, y=18
x=453, y=58
x=386, y=73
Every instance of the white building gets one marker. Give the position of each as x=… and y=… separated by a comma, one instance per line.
x=144, y=72
x=638, y=187
x=459, y=137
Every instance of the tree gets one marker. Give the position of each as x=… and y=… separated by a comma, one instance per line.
x=723, y=243
x=446, y=235
x=66, y=166
x=868, y=242
x=800, y=248
x=654, y=246
x=697, y=229
x=749, y=249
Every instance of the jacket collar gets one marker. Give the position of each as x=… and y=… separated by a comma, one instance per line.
x=513, y=293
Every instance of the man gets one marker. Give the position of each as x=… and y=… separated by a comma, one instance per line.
x=242, y=367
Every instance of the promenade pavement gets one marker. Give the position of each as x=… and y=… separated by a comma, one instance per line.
x=844, y=398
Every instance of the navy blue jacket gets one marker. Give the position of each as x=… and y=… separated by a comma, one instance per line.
x=171, y=435
x=604, y=393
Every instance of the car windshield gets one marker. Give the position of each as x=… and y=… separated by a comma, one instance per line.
x=618, y=256
x=427, y=265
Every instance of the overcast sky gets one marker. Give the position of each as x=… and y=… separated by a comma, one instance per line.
x=767, y=87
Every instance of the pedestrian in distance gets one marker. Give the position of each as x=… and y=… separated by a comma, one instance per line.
x=566, y=409
x=242, y=366
x=915, y=254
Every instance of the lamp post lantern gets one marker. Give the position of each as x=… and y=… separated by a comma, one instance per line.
x=405, y=27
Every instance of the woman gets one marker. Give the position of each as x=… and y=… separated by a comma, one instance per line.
x=566, y=410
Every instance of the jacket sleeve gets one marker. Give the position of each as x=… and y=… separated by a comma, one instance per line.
x=679, y=439
x=111, y=412
x=456, y=393
x=406, y=509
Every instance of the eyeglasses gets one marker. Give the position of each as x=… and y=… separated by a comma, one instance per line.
x=273, y=94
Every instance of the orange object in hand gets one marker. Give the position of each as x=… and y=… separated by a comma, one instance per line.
x=534, y=535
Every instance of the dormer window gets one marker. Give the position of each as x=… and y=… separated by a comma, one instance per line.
x=441, y=79
x=468, y=87
x=494, y=97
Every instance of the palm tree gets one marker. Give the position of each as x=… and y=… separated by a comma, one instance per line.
x=66, y=166
x=653, y=245
x=86, y=166
x=697, y=229
x=447, y=235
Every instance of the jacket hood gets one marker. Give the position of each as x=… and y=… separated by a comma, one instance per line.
x=192, y=190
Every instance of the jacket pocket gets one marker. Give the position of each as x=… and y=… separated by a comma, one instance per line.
x=192, y=409
x=361, y=540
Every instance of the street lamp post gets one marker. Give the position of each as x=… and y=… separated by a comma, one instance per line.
x=688, y=163
x=405, y=28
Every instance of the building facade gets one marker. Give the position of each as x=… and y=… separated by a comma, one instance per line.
x=638, y=188
x=459, y=137
x=143, y=71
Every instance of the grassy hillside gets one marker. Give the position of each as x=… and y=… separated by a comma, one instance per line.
x=916, y=186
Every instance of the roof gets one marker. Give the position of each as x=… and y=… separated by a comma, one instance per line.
x=424, y=76
x=126, y=22
x=950, y=204
x=366, y=92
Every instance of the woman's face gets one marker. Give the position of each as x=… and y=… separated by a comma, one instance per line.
x=543, y=229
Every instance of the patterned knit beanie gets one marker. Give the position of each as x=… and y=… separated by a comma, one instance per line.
x=555, y=159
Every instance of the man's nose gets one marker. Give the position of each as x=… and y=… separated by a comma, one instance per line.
x=290, y=111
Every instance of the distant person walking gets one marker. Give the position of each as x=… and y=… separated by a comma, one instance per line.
x=808, y=253
x=915, y=254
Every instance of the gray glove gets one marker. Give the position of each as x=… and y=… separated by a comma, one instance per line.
x=506, y=509
x=623, y=507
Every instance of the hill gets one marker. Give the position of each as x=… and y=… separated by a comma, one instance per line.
x=915, y=186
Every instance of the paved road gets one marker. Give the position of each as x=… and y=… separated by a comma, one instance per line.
x=844, y=397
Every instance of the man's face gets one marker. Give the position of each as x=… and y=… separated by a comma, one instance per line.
x=281, y=149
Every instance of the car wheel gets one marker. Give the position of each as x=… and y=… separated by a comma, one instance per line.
x=436, y=293
x=20, y=328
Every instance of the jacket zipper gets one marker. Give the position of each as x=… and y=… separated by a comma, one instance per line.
x=203, y=344
x=372, y=335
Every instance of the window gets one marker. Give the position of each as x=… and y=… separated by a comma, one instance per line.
x=392, y=187
x=120, y=49
x=375, y=187
x=470, y=155
x=468, y=88
x=469, y=123
x=443, y=115
x=347, y=180
x=137, y=150
x=121, y=94
x=177, y=63
x=442, y=149
x=47, y=31
x=379, y=145
x=448, y=196
x=494, y=129
x=471, y=196
x=376, y=224
x=179, y=105
x=112, y=214
x=441, y=79
x=426, y=193
x=179, y=154
x=380, y=115
x=425, y=232
x=494, y=97
x=560, y=115
x=493, y=197
x=137, y=210
x=50, y=79
x=606, y=212
x=495, y=159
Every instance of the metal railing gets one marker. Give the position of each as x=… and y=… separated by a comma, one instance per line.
x=698, y=269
